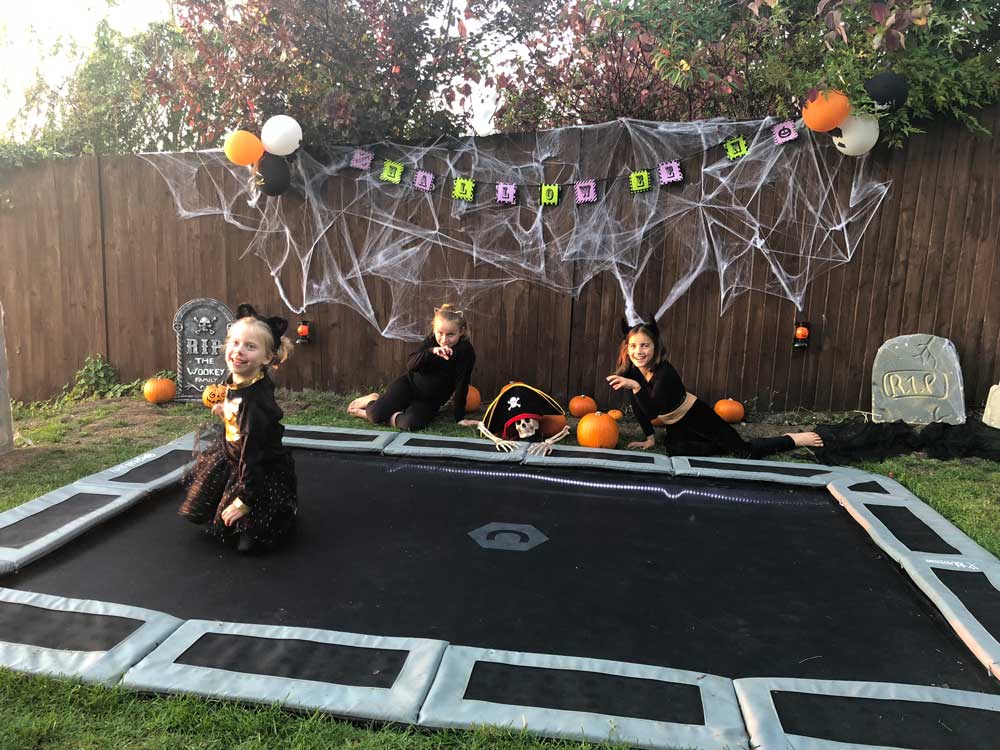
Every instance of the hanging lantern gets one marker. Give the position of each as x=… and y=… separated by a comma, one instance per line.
x=304, y=331
x=801, y=335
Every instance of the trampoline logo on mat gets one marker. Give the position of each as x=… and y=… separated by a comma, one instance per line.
x=133, y=462
x=514, y=537
x=955, y=564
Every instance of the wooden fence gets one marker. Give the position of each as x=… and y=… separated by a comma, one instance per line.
x=94, y=260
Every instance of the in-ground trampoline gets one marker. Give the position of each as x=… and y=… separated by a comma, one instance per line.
x=662, y=602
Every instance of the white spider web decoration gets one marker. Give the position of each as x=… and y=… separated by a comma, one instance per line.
x=801, y=207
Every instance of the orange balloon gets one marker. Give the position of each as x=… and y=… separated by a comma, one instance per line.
x=826, y=111
x=243, y=148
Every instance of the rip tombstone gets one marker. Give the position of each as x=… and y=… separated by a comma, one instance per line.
x=991, y=416
x=917, y=379
x=201, y=326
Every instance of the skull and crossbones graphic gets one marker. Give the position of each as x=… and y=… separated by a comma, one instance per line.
x=205, y=325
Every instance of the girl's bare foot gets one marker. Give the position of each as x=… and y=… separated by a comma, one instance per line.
x=357, y=407
x=806, y=439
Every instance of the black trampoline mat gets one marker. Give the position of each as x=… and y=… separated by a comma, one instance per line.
x=735, y=579
x=307, y=434
x=977, y=594
x=910, y=530
x=889, y=723
x=70, y=631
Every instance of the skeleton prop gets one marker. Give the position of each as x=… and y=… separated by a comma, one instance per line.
x=516, y=415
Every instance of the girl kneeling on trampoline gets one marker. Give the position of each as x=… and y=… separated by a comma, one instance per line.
x=244, y=485
x=441, y=367
x=655, y=390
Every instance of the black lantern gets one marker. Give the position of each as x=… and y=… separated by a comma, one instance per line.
x=304, y=331
x=801, y=335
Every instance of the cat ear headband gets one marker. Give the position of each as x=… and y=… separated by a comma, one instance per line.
x=650, y=324
x=454, y=312
x=276, y=324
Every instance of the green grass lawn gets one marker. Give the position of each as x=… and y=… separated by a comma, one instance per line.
x=55, y=447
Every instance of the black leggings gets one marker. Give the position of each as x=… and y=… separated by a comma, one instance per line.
x=401, y=396
x=701, y=423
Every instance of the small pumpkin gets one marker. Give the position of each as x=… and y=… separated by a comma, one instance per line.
x=597, y=430
x=159, y=390
x=826, y=111
x=582, y=405
x=473, y=399
x=552, y=424
x=615, y=414
x=213, y=394
x=730, y=410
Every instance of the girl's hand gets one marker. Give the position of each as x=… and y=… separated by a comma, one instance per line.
x=234, y=512
x=618, y=382
x=643, y=444
x=444, y=352
x=469, y=422
x=217, y=410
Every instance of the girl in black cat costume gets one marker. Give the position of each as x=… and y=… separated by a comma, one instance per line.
x=656, y=391
x=244, y=485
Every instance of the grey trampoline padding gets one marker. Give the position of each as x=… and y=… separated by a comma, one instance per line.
x=812, y=475
x=336, y=438
x=456, y=700
x=914, y=522
x=188, y=663
x=767, y=732
x=975, y=634
x=603, y=459
x=437, y=446
x=149, y=471
x=91, y=641
x=41, y=525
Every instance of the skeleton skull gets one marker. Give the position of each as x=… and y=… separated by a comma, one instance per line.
x=526, y=428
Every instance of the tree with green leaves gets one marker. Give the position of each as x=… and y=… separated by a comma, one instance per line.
x=695, y=59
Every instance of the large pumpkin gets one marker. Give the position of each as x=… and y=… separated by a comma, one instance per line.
x=552, y=424
x=472, y=399
x=213, y=394
x=826, y=111
x=729, y=410
x=597, y=430
x=159, y=390
x=582, y=405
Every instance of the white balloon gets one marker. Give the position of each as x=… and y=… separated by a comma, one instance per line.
x=858, y=135
x=281, y=135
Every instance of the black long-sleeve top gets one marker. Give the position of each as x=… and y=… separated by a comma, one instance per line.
x=253, y=435
x=436, y=378
x=661, y=394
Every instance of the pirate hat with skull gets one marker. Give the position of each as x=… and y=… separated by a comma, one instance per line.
x=516, y=413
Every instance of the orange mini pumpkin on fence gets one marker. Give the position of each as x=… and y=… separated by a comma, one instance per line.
x=159, y=390
x=597, y=430
x=473, y=399
x=580, y=406
x=213, y=394
x=730, y=410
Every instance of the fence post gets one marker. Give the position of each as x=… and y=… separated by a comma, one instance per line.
x=6, y=420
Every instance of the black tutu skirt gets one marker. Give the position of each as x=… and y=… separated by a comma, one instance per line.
x=211, y=488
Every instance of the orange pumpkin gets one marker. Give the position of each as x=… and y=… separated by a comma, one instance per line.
x=472, y=399
x=159, y=390
x=597, y=430
x=826, y=111
x=213, y=394
x=615, y=414
x=729, y=410
x=582, y=405
x=552, y=423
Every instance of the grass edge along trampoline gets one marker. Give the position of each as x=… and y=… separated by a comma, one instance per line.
x=433, y=683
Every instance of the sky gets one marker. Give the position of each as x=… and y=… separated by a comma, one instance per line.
x=24, y=23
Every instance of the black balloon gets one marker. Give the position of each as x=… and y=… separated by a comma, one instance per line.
x=273, y=175
x=887, y=89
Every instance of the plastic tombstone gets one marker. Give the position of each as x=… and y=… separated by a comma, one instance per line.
x=281, y=135
x=856, y=135
x=273, y=175
x=888, y=90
